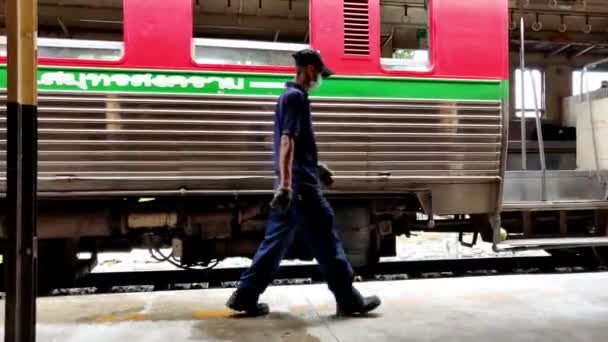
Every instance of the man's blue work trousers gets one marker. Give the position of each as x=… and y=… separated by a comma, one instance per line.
x=312, y=217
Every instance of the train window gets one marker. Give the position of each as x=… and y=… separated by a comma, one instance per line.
x=245, y=32
x=75, y=49
x=527, y=105
x=244, y=52
x=75, y=29
x=594, y=80
x=405, y=35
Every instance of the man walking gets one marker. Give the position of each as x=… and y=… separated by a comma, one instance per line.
x=298, y=203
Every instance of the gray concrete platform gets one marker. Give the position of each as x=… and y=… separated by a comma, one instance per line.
x=569, y=307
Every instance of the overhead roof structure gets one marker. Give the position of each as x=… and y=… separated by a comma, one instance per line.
x=561, y=27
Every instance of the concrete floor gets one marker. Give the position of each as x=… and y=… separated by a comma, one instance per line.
x=569, y=307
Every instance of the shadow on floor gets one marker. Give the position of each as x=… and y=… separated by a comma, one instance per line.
x=277, y=326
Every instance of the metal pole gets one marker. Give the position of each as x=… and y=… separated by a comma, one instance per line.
x=522, y=70
x=21, y=257
x=540, y=139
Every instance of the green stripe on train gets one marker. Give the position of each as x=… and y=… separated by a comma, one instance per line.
x=191, y=82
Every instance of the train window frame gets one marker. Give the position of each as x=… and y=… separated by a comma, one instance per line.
x=245, y=44
x=518, y=107
x=82, y=45
x=405, y=68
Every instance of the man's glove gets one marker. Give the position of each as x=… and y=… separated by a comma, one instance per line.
x=326, y=175
x=281, y=200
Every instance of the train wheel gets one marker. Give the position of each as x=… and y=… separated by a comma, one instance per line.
x=57, y=264
x=482, y=224
x=375, y=245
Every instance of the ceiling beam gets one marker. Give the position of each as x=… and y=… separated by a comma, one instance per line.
x=64, y=28
x=568, y=13
x=252, y=22
x=80, y=12
x=584, y=51
x=560, y=50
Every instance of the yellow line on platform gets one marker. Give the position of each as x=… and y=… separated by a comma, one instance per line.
x=112, y=318
x=204, y=314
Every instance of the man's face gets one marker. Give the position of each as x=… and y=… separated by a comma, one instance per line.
x=312, y=73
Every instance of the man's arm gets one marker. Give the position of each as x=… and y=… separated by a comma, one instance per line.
x=286, y=160
x=290, y=127
x=290, y=130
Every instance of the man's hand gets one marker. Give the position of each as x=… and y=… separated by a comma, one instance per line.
x=281, y=200
x=326, y=175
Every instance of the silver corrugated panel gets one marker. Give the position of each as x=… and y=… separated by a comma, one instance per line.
x=122, y=142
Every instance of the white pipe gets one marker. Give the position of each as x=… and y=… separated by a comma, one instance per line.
x=522, y=69
x=541, y=141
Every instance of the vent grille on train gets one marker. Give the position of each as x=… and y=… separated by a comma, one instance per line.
x=356, y=27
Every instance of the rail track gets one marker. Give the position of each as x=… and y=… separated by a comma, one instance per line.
x=570, y=261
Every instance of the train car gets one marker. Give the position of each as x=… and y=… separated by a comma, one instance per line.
x=155, y=123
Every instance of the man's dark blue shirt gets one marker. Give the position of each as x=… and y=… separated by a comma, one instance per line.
x=293, y=118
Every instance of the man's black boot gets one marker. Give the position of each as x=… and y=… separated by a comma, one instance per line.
x=355, y=304
x=246, y=300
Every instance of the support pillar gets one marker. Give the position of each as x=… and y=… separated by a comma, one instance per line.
x=21, y=254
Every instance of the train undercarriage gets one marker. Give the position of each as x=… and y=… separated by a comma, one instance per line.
x=201, y=231
x=118, y=148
